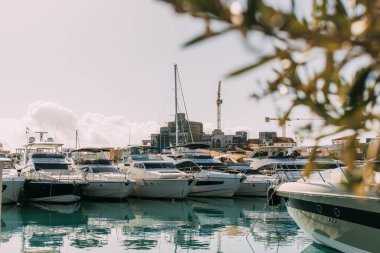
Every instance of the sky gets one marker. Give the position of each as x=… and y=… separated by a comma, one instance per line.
x=106, y=69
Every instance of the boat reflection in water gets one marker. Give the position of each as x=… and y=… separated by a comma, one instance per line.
x=195, y=225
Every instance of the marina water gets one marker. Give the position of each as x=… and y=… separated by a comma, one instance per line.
x=193, y=225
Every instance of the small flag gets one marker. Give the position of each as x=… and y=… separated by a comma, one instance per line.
x=26, y=130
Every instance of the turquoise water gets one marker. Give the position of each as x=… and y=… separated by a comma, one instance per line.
x=195, y=225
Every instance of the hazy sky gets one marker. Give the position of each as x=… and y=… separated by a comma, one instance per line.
x=106, y=68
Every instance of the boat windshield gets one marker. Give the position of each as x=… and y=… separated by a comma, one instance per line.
x=51, y=166
x=188, y=166
x=5, y=165
x=252, y=172
x=140, y=150
x=159, y=166
x=108, y=169
x=202, y=157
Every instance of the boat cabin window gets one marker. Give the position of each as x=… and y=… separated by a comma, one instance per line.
x=5, y=165
x=50, y=166
x=252, y=172
x=260, y=154
x=212, y=165
x=159, y=166
x=288, y=167
x=137, y=158
x=48, y=156
x=138, y=165
x=376, y=166
x=202, y=157
x=104, y=169
x=324, y=166
x=141, y=150
x=268, y=169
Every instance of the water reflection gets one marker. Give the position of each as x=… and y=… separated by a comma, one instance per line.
x=196, y=225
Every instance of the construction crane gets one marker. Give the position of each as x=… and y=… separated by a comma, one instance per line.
x=268, y=119
x=219, y=102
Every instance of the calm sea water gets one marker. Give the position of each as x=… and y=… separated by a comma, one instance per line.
x=195, y=225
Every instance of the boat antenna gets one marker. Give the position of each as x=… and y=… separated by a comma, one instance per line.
x=77, y=143
x=184, y=104
x=41, y=135
x=176, y=105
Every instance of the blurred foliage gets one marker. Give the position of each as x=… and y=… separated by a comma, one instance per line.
x=325, y=55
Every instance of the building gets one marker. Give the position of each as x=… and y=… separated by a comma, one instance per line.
x=188, y=132
x=344, y=141
x=339, y=144
x=267, y=138
x=284, y=142
x=253, y=143
x=229, y=141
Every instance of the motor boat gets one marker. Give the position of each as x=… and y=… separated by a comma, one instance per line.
x=209, y=183
x=133, y=152
x=255, y=184
x=12, y=183
x=287, y=163
x=324, y=207
x=156, y=178
x=48, y=173
x=104, y=179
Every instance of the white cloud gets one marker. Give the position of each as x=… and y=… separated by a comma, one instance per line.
x=94, y=129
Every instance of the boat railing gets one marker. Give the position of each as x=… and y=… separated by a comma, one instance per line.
x=107, y=177
x=293, y=174
x=56, y=176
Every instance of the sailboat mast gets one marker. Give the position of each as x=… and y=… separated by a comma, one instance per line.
x=176, y=105
x=76, y=139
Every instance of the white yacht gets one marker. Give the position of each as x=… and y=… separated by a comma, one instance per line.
x=255, y=184
x=104, y=179
x=209, y=183
x=332, y=215
x=155, y=178
x=134, y=152
x=12, y=182
x=287, y=163
x=48, y=174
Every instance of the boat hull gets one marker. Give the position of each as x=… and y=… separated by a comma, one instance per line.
x=12, y=189
x=254, y=187
x=108, y=190
x=52, y=191
x=162, y=188
x=343, y=222
x=215, y=187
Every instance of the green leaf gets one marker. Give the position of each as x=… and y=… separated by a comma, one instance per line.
x=205, y=36
x=252, y=66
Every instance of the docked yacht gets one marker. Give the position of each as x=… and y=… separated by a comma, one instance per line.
x=332, y=215
x=209, y=183
x=156, y=178
x=48, y=174
x=287, y=163
x=255, y=184
x=133, y=152
x=12, y=183
x=104, y=179
x=216, y=179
